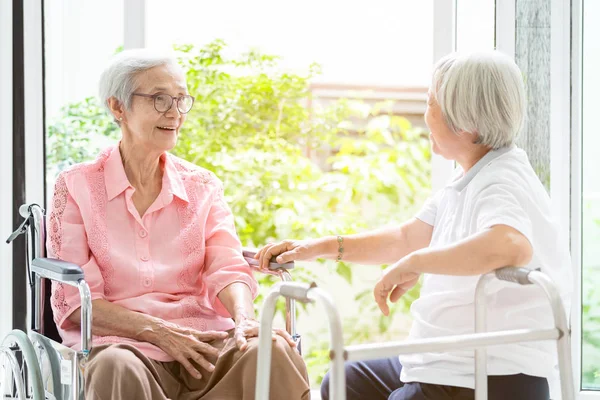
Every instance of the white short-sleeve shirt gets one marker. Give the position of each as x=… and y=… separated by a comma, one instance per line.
x=501, y=188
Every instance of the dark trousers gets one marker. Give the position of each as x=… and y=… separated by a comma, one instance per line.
x=380, y=380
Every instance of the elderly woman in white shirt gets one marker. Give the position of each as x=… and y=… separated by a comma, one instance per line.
x=495, y=212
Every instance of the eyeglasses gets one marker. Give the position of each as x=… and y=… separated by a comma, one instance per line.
x=164, y=102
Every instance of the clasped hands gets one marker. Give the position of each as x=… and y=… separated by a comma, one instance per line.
x=193, y=348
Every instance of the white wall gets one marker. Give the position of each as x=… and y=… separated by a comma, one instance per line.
x=5, y=165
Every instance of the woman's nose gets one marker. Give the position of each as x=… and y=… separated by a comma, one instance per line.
x=174, y=110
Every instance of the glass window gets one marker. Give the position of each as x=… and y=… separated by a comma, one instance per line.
x=590, y=197
x=80, y=37
x=475, y=25
x=370, y=42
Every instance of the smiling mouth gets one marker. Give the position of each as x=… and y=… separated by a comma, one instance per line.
x=167, y=128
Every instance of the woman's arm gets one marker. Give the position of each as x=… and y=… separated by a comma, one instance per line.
x=109, y=319
x=381, y=246
x=237, y=299
x=183, y=344
x=231, y=285
x=493, y=248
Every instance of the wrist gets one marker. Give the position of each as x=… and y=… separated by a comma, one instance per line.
x=152, y=331
x=416, y=260
x=243, y=315
x=328, y=247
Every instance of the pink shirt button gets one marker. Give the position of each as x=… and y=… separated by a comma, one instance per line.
x=143, y=233
x=144, y=258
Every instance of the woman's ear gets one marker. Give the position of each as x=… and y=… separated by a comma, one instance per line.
x=116, y=108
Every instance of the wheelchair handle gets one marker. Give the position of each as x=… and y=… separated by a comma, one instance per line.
x=24, y=210
x=273, y=264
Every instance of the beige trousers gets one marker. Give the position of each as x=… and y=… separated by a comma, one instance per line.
x=120, y=371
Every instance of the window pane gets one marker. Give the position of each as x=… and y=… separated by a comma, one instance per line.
x=475, y=25
x=370, y=42
x=591, y=197
x=80, y=37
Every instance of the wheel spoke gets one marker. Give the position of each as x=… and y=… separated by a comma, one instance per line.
x=15, y=386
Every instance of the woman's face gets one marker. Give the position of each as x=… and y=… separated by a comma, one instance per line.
x=444, y=141
x=147, y=127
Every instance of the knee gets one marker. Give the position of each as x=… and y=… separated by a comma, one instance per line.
x=282, y=355
x=351, y=372
x=325, y=387
x=112, y=363
x=287, y=364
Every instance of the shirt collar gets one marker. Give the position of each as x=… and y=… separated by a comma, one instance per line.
x=172, y=179
x=116, y=181
x=462, y=180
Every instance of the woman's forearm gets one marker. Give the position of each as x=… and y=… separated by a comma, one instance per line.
x=109, y=319
x=237, y=299
x=381, y=246
x=484, y=252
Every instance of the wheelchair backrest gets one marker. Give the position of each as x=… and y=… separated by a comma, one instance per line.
x=49, y=328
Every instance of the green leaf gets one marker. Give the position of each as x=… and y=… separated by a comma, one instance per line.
x=344, y=270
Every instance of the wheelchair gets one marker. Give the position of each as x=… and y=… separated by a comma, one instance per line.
x=477, y=341
x=36, y=365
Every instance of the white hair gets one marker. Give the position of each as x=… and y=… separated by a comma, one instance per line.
x=481, y=93
x=118, y=79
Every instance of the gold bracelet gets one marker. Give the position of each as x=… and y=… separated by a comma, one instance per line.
x=340, y=241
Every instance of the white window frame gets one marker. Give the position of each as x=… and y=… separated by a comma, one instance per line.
x=34, y=102
x=444, y=42
x=576, y=60
x=6, y=160
x=134, y=24
x=505, y=27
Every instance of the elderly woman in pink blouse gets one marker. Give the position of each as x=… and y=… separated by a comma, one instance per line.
x=172, y=294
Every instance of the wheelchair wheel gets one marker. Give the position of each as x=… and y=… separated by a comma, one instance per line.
x=21, y=372
x=49, y=366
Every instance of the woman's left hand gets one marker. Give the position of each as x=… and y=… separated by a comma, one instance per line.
x=395, y=282
x=246, y=328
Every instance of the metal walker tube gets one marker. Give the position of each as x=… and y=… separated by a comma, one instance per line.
x=304, y=293
x=477, y=341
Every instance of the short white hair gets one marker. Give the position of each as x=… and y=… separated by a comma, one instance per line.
x=481, y=93
x=118, y=79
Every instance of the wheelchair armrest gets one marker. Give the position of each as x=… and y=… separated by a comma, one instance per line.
x=57, y=270
x=273, y=265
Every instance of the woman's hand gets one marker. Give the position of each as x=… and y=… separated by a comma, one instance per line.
x=246, y=328
x=395, y=282
x=290, y=250
x=184, y=344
